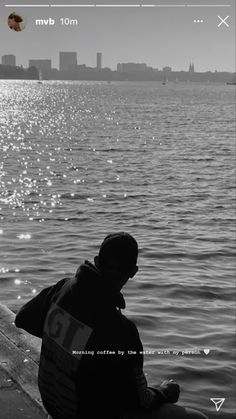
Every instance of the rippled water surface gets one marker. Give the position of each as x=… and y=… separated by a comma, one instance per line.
x=79, y=160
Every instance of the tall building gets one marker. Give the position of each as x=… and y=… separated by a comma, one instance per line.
x=99, y=60
x=191, y=68
x=9, y=60
x=42, y=65
x=67, y=60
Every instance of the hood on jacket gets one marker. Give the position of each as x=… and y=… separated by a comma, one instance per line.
x=91, y=282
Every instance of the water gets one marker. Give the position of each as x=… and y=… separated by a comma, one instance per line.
x=82, y=159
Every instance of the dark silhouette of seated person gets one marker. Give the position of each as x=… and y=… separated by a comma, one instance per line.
x=85, y=370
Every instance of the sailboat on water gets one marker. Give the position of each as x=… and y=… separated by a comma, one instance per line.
x=165, y=80
x=40, y=80
x=233, y=81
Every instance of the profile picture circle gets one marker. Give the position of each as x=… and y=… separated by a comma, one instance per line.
x=16, y=22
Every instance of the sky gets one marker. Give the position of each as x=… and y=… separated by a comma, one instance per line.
x=157, y=36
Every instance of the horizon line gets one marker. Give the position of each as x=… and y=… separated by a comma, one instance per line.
x=116, y=5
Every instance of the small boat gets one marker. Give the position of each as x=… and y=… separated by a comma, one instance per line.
x=40, y=80
x=233, y=81
x=165, y=80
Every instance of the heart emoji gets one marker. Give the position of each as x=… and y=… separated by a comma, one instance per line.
x=206, y=351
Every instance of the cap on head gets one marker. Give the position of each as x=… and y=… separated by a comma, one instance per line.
x=118, y=251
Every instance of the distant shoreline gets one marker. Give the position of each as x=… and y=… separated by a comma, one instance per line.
x=107, y=75
x=158, y=82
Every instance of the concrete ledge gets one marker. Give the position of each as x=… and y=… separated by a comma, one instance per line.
x=19, y=356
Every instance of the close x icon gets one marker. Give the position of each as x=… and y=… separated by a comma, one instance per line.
x=223, y=21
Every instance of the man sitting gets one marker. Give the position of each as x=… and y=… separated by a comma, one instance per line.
x=85, y=370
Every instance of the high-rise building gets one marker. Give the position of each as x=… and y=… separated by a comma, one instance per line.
x=67, y=61
x=99, y=60
x=9, y=60
x=42, y=65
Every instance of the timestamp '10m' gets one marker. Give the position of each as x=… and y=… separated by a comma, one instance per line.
x=66, y=21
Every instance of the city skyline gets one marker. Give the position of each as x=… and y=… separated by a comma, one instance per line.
x=64, y=65
x=159, y=38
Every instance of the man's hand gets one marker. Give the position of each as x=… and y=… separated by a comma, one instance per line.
x=171, y=390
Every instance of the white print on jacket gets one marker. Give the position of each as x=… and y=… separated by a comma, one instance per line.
x=69, y=333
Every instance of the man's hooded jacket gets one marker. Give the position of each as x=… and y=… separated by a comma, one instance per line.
x=85, y=369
